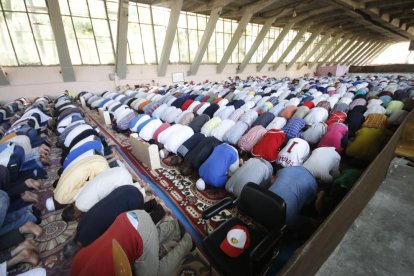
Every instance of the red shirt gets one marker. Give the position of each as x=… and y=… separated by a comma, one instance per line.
x=96, y=258
x=269, y=146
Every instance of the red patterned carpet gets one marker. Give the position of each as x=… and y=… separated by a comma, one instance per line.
x=179, y=189
x=57, y=232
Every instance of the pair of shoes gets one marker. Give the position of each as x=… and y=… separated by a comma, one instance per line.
x=150, y=205
x=38, y=214
x=157, y=214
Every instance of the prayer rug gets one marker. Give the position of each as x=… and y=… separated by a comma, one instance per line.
x=180, y=190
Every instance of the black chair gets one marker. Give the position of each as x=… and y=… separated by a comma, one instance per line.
x=264, y=208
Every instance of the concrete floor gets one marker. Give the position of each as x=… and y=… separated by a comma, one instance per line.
x=381, y=239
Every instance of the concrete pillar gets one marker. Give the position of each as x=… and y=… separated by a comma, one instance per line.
x=303, y=48
x=332, y=52
x=361, y=53
x=290, y=47
x=169, y=36
x=121, y=40
x=3, y=78
x=316, y=48
x=356, y=51
x=55, y=16
x=349, y=52
x=346, y=47
x=211, y=25
x=275, y=44
x=266, y=27
x=367, y=52
x=376, y=54
x=234, y=40
x=327, y=50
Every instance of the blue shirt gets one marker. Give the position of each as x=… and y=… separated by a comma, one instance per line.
x=293, y=127
x=213, y=171
x=91, y=145
x=297, y=186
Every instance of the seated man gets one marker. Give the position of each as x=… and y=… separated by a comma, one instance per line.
x=140, y=239
x=297, y=186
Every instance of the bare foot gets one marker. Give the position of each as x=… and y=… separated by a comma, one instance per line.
x=24, y=256
x=43, y=153
x=167, y=210
x=35, y=184
x=30, y=197
x=31, y=228
x=44, y=161
x=27, y=244
x=44, y=148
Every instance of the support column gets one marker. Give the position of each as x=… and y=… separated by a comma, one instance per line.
x=360, y=54
x=211, y=25
x=290, y=47
x=342, y=51
x=275, y=44
x=303, y=48
x=121, y=40
x=357, y=50
x=375, y=46
x=374, y=53
x=55, y=16
x=367, y=52
x=3, y=78
x=169, y=37
x=332, y=52
x=327, y=50
x=266, y=27
x=349, y=52
x=234, y=40
x=316, y=48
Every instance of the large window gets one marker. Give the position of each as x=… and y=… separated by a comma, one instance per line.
x=91, y=32
x=88, y=31
x=26, y=34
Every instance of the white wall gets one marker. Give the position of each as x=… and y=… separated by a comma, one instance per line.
x=35, y=81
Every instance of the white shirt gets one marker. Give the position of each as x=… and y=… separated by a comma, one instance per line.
x=193, y=105
x=140, y=121
x=222, y=128
x=75, y=132
x=177, y=138
x=159, y=111
x=294, y=153
x=202, y=108
x=100, y=186
x=147, y=131
x=322, y=162
x=225, y=112
x=316, y=115
x=314, y=133
x=277, y=123
x=375, y=109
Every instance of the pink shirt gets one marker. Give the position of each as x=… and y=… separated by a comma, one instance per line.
x=333, y=136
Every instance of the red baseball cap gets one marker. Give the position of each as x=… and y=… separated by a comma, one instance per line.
x=236, y=241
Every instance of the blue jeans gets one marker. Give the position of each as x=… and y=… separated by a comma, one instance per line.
x=4, y=205
x=17, y=218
